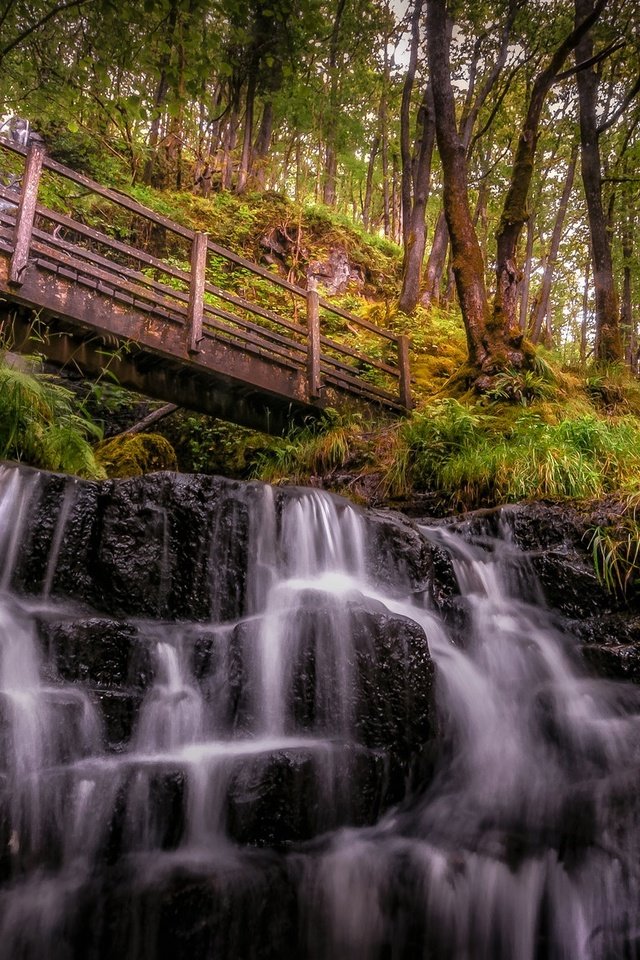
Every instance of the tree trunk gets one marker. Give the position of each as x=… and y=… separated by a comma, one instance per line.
x=160, y=97
x=526, y=273
x=585, y=316
x=436, y=263
x=298, y=167
x=331, y=156
x=247, y=137
x=468, y=266
x=386, y=199
x=262, y=146
x=542, y=304
x=417, y=237
x=405, y=136
x=368, y=194
x=608, y=344
x=396, y=215
x=228, y=146
x=494, y=340
x=626, y=312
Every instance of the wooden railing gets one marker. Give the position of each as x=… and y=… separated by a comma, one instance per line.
x=334, y=346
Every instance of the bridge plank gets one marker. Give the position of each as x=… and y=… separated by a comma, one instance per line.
x=123, y=200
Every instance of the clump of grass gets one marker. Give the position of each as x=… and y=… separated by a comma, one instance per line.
x=132, y=455
x=40, y=424
x=524, y=386
x=612, y=387
x=471, y=457
x=615, y=548
x=616, y=557
x=318, y=449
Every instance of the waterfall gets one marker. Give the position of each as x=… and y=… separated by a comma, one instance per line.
x=267, y=779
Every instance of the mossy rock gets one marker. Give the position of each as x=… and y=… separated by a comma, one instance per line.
x=134, y=454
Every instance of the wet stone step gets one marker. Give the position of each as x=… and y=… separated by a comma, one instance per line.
x=245, y=908
x=60, y=720
x=119, y=710
x=98, y=650
x=270, y=799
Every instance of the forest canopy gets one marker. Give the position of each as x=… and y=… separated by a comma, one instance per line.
x=496, y=143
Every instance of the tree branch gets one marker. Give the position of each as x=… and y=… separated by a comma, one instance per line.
x=40, y=23
x=617, y=113
x=585, y=64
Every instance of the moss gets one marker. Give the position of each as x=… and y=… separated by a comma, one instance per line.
x=132, y=455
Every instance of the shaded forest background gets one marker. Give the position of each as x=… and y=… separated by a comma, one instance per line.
x=332, y=102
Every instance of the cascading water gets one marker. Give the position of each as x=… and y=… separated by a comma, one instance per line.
x=217, y=786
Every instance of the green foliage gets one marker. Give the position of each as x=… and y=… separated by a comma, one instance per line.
x=82, y=151
x=318, y=449
x=524, y=386
x=206, y=445
x=132, y=455
x=612, y=387
x=616, y=556
x=471, y=458
x=40, y=425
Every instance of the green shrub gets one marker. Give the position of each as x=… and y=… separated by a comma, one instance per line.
x=318, y=449
x=134, y=454
x=472, y=458
x=40, y=425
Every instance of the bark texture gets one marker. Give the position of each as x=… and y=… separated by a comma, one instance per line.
x=608, y=344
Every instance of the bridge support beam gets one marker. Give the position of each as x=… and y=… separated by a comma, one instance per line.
x=26, y=213
x=313, y=343
x=193, y=329
x=405, y=372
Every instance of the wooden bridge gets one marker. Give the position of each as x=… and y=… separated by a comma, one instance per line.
x=96, y=298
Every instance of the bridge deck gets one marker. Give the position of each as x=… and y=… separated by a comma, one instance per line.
x=98, y=298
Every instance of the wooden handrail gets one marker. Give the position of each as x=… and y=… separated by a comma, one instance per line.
x=132, y=282
x=128, y=203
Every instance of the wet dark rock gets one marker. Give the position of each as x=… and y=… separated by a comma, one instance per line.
x=156, y=546
x=395, y=703
x=555, y=539
x=119, y=710
x=246, y=910
x=98, y=651
x=292, y=795
x=142, y=547
x=619, y=661
x=396, y=553
x=77, y=504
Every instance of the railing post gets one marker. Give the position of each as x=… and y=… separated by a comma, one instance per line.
x=26, y=213
x=405, y=372
x=313, y=341
x=193, y=332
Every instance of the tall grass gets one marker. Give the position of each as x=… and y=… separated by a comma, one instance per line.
x=470, y=458
x=40, y=425
x=318, y=449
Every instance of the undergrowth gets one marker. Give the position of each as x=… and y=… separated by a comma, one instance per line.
x=318, y=449
x=41, y=424
x=474, y=456
x=615, y=548
x=132, y=455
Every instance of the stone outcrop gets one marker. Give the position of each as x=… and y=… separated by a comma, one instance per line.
x=555, y=539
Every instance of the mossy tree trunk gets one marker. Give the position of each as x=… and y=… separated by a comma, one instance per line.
x=468, y=265
x=417, y=235
x=542, y=303
x=608, y=345
x=494, y=338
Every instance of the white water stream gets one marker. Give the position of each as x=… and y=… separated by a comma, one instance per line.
x=525, y=845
